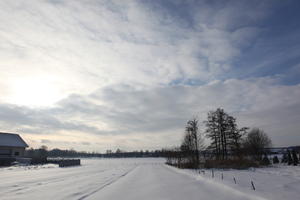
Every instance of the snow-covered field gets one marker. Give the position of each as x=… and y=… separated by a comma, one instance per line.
x=143, y=179
x=276, y=182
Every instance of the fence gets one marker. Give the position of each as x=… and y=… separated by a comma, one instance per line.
x=222, y=177
x=67, y=163
x=64, y=162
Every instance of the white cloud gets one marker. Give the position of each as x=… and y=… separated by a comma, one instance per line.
x=118, y=112
x=89, y=44
x=111, y=71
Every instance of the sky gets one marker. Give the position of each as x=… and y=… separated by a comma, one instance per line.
x=95, y=75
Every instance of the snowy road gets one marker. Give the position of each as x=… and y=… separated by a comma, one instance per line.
x=149, y=182
x=141, y=179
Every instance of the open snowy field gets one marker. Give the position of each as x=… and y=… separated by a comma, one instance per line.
x=146, y=178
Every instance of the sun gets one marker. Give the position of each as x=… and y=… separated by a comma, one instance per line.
x=35, y=91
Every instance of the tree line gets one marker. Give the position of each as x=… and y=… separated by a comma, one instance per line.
x=43, y=153
x=230, y=145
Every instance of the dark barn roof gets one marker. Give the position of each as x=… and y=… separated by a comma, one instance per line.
x=11, y=140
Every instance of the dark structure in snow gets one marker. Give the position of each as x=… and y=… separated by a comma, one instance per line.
x=289, y=156
x=11, y=145
x=275, y=160
x=265, y=160
x=295, y=158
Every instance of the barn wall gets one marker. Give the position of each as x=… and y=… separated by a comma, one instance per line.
x=12, y=151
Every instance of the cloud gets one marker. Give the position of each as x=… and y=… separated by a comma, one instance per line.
x=119, y=111
x=98, y=43
x=133, y=72
x=46, y=141
x=85, y=143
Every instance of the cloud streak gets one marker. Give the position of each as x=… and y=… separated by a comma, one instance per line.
x=133, y=70
x=118, y=111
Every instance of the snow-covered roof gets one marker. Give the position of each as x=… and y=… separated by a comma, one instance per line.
x=11, y=140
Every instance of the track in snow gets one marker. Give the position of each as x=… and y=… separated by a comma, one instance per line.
x=106, y=184
x=111, y=179
x=151, y=182
x=62, y=183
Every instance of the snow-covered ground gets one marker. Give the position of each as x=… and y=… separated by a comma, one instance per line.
x=276, y=182
x=146, y=178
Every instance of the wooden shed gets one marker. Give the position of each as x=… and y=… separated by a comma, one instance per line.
x=11, y=145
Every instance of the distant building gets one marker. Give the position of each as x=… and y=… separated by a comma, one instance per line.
x=11, y=145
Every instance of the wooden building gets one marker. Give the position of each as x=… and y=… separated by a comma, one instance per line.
x=11, y=145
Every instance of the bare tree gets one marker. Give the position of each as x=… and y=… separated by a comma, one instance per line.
x=223, y=131
x=255, y=143
x=192, y=142
x=187, y=147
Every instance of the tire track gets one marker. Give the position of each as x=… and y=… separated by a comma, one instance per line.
x=106, y=184
x=46, y=181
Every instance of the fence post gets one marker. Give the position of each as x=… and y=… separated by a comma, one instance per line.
x=234, y=180
x=222, y=176
x=212, y=173
x=252, y=185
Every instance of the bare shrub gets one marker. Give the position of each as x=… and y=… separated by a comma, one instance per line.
x=231, y=164
x=255, y=143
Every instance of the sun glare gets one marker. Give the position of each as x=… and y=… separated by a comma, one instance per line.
x=34, y=92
